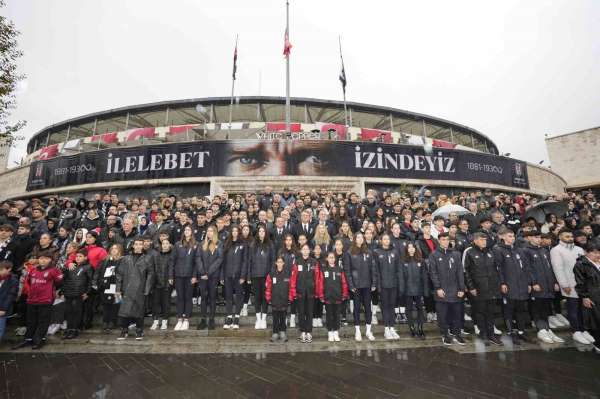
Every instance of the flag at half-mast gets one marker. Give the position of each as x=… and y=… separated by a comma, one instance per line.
x=287, y=46
x=342, y=76
x=234, y=60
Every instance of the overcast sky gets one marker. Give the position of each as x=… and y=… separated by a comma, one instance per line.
x=514, y=70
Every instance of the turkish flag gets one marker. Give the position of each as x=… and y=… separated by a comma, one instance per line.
x=340, y=130
x=280, y=127
x=134, y=134
x=180, y=129
x=107, y=138
x=375, y=135
x=442, y=144
x=48, y=152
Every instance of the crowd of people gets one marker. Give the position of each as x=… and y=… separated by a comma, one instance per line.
x=314, y=258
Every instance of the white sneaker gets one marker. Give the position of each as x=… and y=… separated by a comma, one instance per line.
x=244, y=311
x=293, y=321
x=497, y=331
x=374, y=320
x=63, y=326
x=369, y=335
x=563, y=320
x=545, y=337
x=351, y=307
x=53, y=329
x=388, y=334
x=476, y=329
x=357, y=334
x=579, y=337
x=154, y=325
x=394, y=333
x=588, y=336
x=178, y=325
x=336, y=336
x=185, y=325
x=434, y=316
x=314, y=322
x=263, y=324
x=258, y=322
x=553, y=322
x=555, y=337
x=330, y=336
x=164, y=323
x=468, y=318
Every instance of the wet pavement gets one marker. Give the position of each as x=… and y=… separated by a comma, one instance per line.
x=429, y=372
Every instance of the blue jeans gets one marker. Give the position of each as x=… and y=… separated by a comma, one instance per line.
x=2, y=326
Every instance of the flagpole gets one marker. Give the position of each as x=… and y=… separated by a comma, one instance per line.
x=344, y=84
x=232, y=87
x=287, y=74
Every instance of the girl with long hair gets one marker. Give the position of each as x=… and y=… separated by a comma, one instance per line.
x=261, y=259
x=416, y=287
x=234, y=276
x=209, y=274
x=183, y=267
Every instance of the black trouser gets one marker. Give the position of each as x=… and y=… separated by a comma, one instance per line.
x=260, y=301
x=362, y=296
x=305, y=305
x=414, y=303
x=58, y=313
x=234, y=294
x=388, y=302
x=430, y=304
x=109, y=313
x=279, y=320
x=483, y=310
x=126, y=321
x=515, y=309
x=556, y=308
x=574, y=314
x=318, y=309
x=161, y=299
x=88, y=309
x=541, y=308
x=183, y=287
x=208, y=293
x=375, y=297
x=344, y=308
x=332, y=317
x=247, y=290
x=73, y=312
x=38, y=321
x=448, y=317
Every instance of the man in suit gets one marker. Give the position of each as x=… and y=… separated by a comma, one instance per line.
x=278, y=233
x=305, y=226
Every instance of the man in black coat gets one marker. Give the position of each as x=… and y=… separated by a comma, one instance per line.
x=587, y=276
x=483, y=282
x=305, y=226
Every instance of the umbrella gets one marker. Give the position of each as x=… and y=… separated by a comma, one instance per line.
x=541, y=209
x=448, y=209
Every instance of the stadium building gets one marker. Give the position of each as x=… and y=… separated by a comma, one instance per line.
x=188, y=147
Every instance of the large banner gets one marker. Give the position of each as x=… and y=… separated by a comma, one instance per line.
x=276, y=158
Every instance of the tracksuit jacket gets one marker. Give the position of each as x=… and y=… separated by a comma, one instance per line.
x=332, y=287
x=416, y=279
x=78, y=281
x=541, y=271
x=481, y=273
x=305, y=277
x=446, y=272
x=389, y=274
x=514, y=271
x=362, y=270
x=278, y=291
x=235, y=261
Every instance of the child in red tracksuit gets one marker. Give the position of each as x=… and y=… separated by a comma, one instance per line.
x=279, y=294
x=42, y=281
x=333, y=290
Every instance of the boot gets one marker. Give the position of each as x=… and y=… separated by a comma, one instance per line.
x=413, y=332
x=420, y=332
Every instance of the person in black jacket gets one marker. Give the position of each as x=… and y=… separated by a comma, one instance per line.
x=447, y=277
x=416, y=287
x=279, y=295
x=483, y=282
x=515, y=284
x=183, y=267
x=161, y=294
x=9, y=286
x=587, y=277
x=361, y=274
x=389, y=282
x=105, y=279
x=332, y=291
x=208, y=274
x=77, y=284
x=233, y=275
x=261, y=259
x=304, y=281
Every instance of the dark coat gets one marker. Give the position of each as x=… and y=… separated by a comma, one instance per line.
x=8, y=292
x=540, y=268
x=211, y=262
x=134, y=281
x=235, y=261
x=416, y=279
x=361, y=270
x=184, y=261
x=104, y=276
x=513, y=271
x=277, y=289
x=305, y=277
x=446, y=272
x=261, y=260
x=389, y=274
x=587, y=277
x=78, y=281
x=161, y=269
x=481, y=273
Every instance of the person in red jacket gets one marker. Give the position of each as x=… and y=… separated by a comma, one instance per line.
x=279, y=294
x=42, y=281
x=333, y=290
x=303, y=284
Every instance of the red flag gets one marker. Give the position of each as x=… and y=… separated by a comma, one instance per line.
x=134, y=134
x=107, y=138
x=375, y=135
x=180, y=129
x=287, y=46
x=280, y=127
x=49, y=152
x=442, y=144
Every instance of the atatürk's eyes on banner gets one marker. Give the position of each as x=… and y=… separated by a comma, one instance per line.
x=276, y=158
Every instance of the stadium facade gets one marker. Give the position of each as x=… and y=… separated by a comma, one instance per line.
x=189, y=146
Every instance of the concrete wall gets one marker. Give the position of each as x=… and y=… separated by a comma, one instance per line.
x=576, y=157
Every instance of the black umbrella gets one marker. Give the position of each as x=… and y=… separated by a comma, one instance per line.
x=541, y=209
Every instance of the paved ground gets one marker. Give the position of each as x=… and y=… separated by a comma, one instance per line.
x=410, y=373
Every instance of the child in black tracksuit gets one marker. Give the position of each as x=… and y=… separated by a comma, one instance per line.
x=305, y=277
x=279, y=295
x=333, y=290
x=105, y=279
x=77, y=284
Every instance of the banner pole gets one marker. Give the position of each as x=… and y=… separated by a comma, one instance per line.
x=287, y=75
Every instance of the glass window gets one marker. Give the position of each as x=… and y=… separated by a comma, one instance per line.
x=115, y=124
x=189, y=115
x=55, y=137
x=479, y=144
x=370, y=120
x=82, y=130
x=147, y=119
